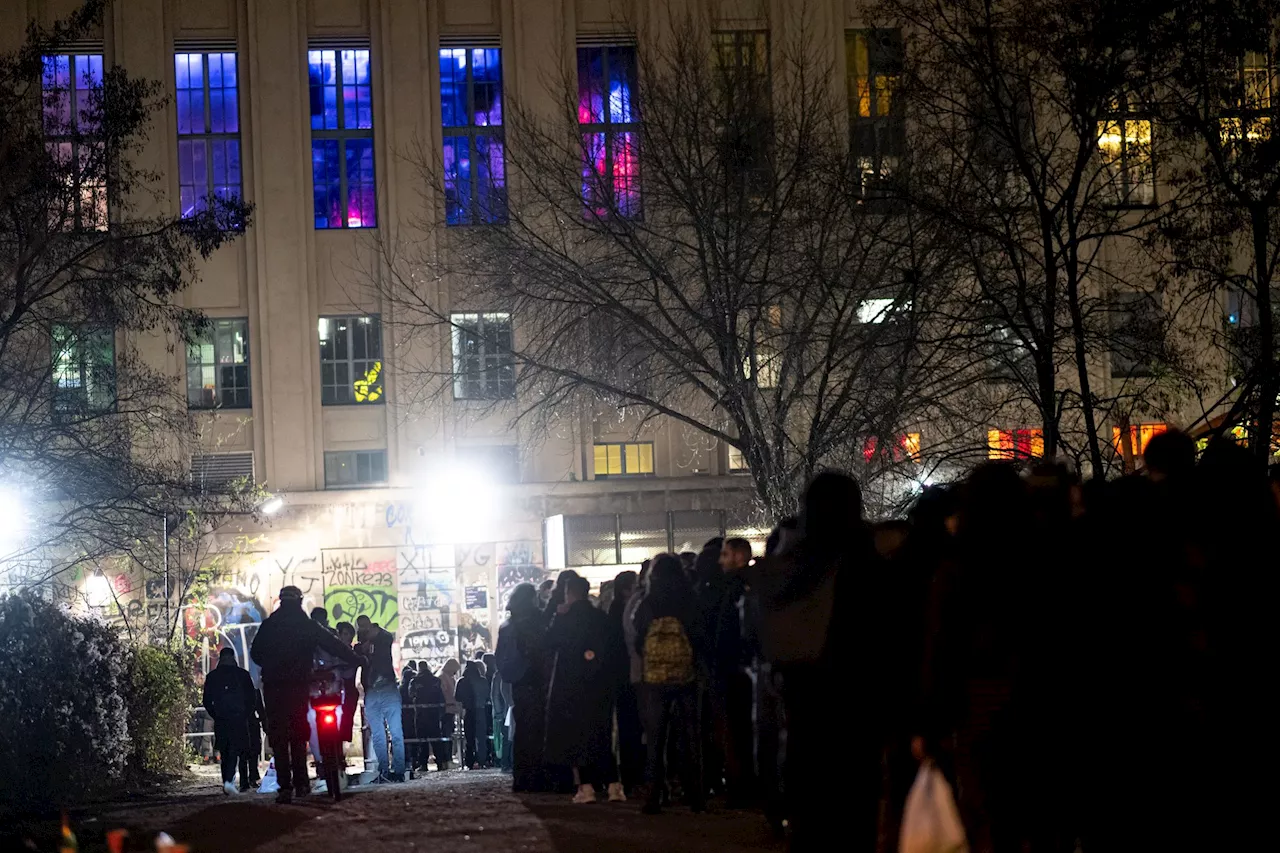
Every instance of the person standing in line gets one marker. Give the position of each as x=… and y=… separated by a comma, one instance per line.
x=668, y=634
x=382, y=700
x=408, y=716
x=284, y=648
x=497, y=711
x=627, y=664
x=521, y=660
x=581, y=695
x=231, y=700
x=473, y=696
x=731, y=686
x=429, y=697
x=452, y=710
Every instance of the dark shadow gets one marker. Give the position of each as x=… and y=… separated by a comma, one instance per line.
x=240, y=825
x=621, y=828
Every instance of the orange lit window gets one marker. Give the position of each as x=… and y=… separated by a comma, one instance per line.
x=905, y=446
x=1139, y=435
x=1015, y=443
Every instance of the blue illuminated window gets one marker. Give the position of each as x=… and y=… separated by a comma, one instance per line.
x=342, y=139
x=70, y=88
x=475, y=182
x=208, y=129
x=610, y=133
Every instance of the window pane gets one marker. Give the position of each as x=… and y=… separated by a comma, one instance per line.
x=323, y=79
x=361, y=207
x=453, y=87
x=615, y=459
x=591, y=85
x=601, y=464
x=328, y=183
x=645, y=460
x=486, y=74
x=457, y=180
x=622, y=84
x=490, y=180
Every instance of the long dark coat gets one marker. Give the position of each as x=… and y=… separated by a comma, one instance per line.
x=529, y=700
x=580, y=696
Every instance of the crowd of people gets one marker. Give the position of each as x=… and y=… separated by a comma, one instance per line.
x=1073, y=657
x=1083, y=662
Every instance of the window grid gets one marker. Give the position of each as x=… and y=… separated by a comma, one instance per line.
x=471, y=113
x=625, y=459
x=84, y=370
x=69, y=84
x=877, y=123
x=207, y=97
x=608, y=121
x=342, y=168
x=352, y=468
x=1248, y=120
x=743, y=64
x=1015, y=443
x=1124, y=141
x=1139, y=435
x=218, y=367
x=350, y=360
x=483, y=365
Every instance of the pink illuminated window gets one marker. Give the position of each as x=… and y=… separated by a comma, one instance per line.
x=609, y=122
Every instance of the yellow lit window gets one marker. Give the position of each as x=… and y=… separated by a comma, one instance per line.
x=737, y=461
x=1139, y=435
x=617, y=460
x=1015, y=443
x=1125, y=146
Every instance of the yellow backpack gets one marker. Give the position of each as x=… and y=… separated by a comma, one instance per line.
x=668, y=654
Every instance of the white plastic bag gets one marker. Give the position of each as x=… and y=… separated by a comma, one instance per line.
x=931, y=821
x=269, y=782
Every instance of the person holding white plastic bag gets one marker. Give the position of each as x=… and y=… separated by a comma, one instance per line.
x=931, y=821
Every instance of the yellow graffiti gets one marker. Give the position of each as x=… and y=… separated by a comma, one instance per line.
x=369, y=389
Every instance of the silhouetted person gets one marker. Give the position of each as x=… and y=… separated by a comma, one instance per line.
x=428, y=695
x=580, y=695
x=284, y=648
x=1170, y=455
x=521, y=659
x=473, y=696
x=832, y=570
x=232, y=701
x=627, y=705
x=730, y=685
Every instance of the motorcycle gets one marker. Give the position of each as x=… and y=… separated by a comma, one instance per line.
x=326, y=700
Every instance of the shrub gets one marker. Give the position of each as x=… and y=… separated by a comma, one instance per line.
x=62, y=708
x=158, y=704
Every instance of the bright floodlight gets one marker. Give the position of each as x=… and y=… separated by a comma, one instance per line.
x=13, y=519
x=272, y=505
x=457, y=503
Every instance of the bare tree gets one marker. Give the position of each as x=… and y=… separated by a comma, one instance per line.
x=96, y=441
x=1033, y=126
x=1223, y=237
x=684, y=236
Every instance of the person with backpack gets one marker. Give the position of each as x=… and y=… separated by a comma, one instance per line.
x=521, y=662
x=668, y=631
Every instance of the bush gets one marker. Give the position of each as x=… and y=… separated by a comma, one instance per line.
x=62, y=708
x=158, y=704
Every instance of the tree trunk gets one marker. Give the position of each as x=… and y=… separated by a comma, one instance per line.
x=1269, y=384
x=1082, y=374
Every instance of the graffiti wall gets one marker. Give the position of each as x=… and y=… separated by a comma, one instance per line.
x=441, y=601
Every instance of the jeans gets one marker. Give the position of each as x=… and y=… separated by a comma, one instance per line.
x=287, y=729
x=672, y=712
x=382, y=710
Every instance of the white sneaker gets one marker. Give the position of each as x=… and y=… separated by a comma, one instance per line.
x=320, y=787
x=230, y=788
x=616, y=794
x=586, y=794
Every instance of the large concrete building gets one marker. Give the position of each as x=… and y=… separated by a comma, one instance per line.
x=301, y=106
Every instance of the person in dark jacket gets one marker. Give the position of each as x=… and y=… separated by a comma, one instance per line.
x=428, y=695
x=522, y=662
x=350, y=694
x=408, y=719
x=284, y=647
x=580, y=696
x=473, y=696
x=627, y=704
x=232, y=701
x=821, y=624
x=730, y=685
x=670, y=692
x=382, y=699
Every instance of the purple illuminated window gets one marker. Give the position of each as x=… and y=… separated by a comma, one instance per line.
x=208, y=105
x=475, y=184
x=71, y=87
x=610, y=133
x=341, y=94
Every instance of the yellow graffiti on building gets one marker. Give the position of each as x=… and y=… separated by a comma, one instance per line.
x=369, y=389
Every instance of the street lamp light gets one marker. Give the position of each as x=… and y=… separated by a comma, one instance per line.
x=13, y=520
